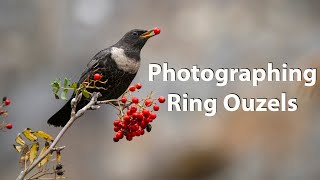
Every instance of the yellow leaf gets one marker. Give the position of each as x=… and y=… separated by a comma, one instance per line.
x=24, y=154
x=19, y=140
x=58, y=156
x=46, y=146
x=18, y=148
x=28, y=134
x=45, y=160
x=33, y=152
x=43, y=135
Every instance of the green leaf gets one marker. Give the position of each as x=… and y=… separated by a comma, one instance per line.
x=64, y=94
x=55, y=86
x=82, y=86
x=85, y=93
x=66, y=82
x=73, y=86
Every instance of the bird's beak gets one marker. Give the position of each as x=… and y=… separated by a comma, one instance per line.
x=147, y=34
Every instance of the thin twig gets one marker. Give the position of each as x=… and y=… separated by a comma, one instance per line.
x=45, y=172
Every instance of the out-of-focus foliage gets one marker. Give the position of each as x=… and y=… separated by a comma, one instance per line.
x=29, y=152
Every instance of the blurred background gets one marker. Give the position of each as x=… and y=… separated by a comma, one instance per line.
x=41, y=40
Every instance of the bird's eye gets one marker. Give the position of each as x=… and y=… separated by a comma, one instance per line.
x=135, y=33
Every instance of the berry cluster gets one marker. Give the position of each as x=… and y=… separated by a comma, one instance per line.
x=4, y=114
x=136, y=114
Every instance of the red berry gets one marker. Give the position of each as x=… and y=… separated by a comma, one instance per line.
x=161, y=99
x=156, y=30
x=1, y=111
x=123, y=125
x=132, y=127
x=116, y=128
x=119, y=135
x=146, y=112
x=135, y=115
x=126, y=118
x=132, y=88
x=135, y=100
x=153, y=115
x=133, y=109
x=148, y=102
x=148, y=120
x=133, y=121
x=129, y=138
x=156, y=107
x=142, y=132
x=126, y=123
x=136, y=127
x=138, y=85
x=9, y=126
x=97, y=77
x=128, y=112
x=139, y=116
x=123, y=99
x=138, y=133
x=142, y=124
x=116, y=122
x=7, y=102
x=115, y=139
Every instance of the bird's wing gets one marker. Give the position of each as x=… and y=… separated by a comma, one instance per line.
x=94, y=63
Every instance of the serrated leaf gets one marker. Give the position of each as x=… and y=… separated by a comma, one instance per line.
x=73, y=86
x=66, y=82
x=64, y=94
x=33, y=152
x=45, y=160
x=43, y=135
x=19, y=140
x=85, y=93
x=17, y=147
x=28, y=134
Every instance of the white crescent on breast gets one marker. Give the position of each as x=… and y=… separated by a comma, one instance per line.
x=123, y=62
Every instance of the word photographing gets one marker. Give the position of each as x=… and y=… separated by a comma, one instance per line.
x=225, y=75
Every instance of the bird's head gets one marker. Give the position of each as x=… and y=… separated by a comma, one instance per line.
x=137, y=38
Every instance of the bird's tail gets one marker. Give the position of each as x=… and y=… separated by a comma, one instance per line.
x=61, y=117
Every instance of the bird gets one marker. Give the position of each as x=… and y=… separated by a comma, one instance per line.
x=118, y=65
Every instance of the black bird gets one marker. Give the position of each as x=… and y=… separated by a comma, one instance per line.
x=118, y=64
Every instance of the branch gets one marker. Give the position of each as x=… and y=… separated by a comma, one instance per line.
x=74, y=116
